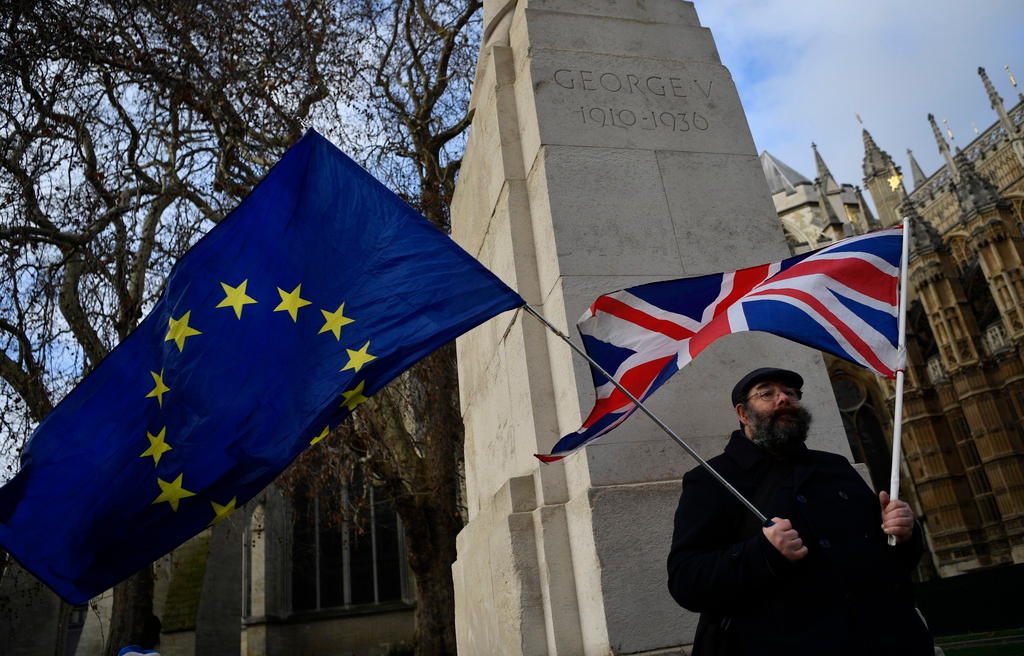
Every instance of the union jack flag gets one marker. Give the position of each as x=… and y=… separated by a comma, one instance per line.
x=841, y=299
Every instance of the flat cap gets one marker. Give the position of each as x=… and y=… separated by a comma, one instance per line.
x=791, y=378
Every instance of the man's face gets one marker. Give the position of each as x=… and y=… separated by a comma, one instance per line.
x=773, y=418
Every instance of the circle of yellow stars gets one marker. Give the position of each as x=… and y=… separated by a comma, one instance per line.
x=180, y=330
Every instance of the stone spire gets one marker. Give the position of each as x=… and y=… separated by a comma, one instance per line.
x=876, y=160
x=973, y=191
x=827, y=179
x=915, y=170
x=924, y=238
x=1013, y=133
x=883, y=180
x=944, y=148
x=833, y=227
x=869, y=218
x=996, y=100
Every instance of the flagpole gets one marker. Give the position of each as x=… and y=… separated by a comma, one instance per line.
x=897, y=422
x=711, y=470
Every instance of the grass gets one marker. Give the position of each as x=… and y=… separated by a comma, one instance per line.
x=1011, y=649
x=980, y=636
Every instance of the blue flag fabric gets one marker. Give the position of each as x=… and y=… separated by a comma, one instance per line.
x=316, y=291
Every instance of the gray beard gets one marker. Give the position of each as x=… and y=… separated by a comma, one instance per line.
x=781, y=438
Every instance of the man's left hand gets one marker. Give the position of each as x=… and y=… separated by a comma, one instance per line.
x=897, y=518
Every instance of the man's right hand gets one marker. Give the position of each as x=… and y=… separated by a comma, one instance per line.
x=785, y=539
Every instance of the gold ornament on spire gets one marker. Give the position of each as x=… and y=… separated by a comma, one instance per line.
x=895, y=180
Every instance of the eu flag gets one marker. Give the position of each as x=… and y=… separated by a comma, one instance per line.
x=316, y=291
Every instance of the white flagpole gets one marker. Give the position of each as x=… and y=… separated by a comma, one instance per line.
x=611, y=379
x=897, y=421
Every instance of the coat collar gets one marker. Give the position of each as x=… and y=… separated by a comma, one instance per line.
x=748, y=456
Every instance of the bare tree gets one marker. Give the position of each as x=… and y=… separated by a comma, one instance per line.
x=128, y=129
x=131, y=127
x=412, y=94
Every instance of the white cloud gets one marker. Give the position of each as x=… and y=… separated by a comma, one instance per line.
x=804, y=68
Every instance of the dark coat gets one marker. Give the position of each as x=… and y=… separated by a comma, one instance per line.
x=851, y=594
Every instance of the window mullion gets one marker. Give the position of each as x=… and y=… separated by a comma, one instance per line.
x=316, y=545
x=373, y=547
x=346, y=570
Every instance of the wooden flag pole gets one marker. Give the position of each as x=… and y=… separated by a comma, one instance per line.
x=897, y=421
x=696, y=456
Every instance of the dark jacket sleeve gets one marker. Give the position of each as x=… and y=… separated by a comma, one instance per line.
x=708, y=570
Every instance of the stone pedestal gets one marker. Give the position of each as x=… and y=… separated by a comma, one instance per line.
x=608, y=149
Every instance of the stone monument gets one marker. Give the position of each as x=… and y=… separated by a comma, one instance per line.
x=608, y=149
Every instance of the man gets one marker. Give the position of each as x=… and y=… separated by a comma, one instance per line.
x=821, y=579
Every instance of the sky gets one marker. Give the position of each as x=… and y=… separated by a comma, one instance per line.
x=805, y=69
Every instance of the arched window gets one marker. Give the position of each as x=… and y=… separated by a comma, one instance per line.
x=863, y=425
x=344, y=553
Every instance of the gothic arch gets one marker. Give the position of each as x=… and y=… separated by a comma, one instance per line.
x=861, y=398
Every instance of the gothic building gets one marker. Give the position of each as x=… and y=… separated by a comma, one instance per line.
x=963, y=421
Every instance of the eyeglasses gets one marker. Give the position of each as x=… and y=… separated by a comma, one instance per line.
x=769, y=394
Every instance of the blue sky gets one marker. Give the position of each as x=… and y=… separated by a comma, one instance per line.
x=803, y=69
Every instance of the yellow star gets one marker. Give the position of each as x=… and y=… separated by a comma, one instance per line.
x=354, y=397
x=333, y=321
x=894, y=181
x=220, y=512
x=235, y=297
x=322, y=435
x=157, y=446
x=356, y=359
x=291, y=302
x=180, y=331
x=158, y=387
x=172, y=492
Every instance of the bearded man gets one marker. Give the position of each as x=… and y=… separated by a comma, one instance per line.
x=821, y=579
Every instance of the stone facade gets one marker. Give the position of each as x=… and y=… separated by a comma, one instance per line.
x=963, y=438
x=233, y=589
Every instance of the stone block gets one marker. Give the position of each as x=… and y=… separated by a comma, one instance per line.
x=676, y=12
x=604, y=35
x=603, y=101
x=493, y=448
x=558, y=589
x=586, y=568
x=609, y=211
x=497, y=585
x=476, y=625
x=633, y=531
x=500, y=249
x=719, y=221
x=474, y=200
x=492, y=155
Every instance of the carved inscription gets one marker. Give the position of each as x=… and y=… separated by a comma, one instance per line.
x=676, y=113
x=611, y=117
x=630, y=83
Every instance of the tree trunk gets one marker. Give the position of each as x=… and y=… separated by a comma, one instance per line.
x=430, y=541
x=433, y=520
x=131, y=611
